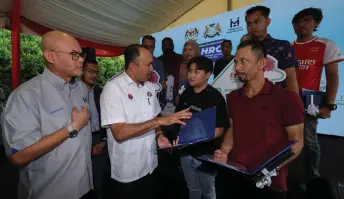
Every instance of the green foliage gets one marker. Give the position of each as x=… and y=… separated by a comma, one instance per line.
x=32, y=62
x=109, y=67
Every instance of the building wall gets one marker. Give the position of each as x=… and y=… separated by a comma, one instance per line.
x=205, y=9
x=236, y=4
x=209, y=8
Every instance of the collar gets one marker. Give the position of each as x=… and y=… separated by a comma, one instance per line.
x=204, y=90
x=266, y=90
x=58, y=82
x=268, y=39
x=128, y=81
x=315, y=38
x=92, y=89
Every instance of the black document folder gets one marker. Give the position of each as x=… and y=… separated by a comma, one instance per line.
x=269, y=161
x=200, y=128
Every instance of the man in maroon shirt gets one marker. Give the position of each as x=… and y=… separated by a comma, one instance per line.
x=261, y=115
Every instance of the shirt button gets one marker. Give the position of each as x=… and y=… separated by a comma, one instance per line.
x=144, y=113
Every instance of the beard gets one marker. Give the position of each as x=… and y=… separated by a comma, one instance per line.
x=242, y=77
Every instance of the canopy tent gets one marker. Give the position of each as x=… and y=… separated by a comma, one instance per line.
x=107, y=25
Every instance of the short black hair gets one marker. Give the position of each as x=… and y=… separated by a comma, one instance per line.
x=149, y=37
x=167, y=39
x=316, y=13
x=131, y=54
x=202, y=63
x=265, y=11
x=226, y=41
x=89, y=62
x=257, y=47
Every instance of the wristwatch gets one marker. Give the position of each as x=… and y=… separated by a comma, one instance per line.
x=72, y=132
x=331, y=107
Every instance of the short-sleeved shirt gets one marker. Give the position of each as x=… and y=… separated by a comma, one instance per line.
x=94, y=116
x=123, y=101
x=38, y=108
x=207, y=98
x=282, y=51
x=259, y=123
x=312, y=56
x=158, y=66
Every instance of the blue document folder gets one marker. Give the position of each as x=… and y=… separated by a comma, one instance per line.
x=272, y=159
x=200, y=128
x=307, y=95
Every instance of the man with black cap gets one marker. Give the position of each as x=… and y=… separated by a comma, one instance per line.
x=100, y=161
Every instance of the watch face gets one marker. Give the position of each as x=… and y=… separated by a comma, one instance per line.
x=73, y=134
x=334, y=106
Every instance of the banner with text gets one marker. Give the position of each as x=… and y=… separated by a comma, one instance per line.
x=210, y=32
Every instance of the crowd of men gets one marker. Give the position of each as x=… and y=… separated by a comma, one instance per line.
x=72, y=139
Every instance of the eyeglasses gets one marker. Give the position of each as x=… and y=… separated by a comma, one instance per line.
x=75, y=55
x=92, y=72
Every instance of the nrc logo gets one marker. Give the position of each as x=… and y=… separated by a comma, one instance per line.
x=211, y=50
x=234, y=24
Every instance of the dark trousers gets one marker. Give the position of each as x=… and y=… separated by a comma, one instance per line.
x=89, y=195
x=232, y=185
x=100, y=167
x=311, y=148
x=101, y=172
x=139, y=189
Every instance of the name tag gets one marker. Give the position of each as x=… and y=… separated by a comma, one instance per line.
x=57, y=110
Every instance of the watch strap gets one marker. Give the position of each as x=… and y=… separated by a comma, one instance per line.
x=70, y=128
x=331, y=107
x=72, y=133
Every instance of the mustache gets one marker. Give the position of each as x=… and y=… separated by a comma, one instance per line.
x=240, y=73
x=243, y=80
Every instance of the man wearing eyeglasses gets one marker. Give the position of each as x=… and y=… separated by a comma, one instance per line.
x=100, y=157
x=46, y=126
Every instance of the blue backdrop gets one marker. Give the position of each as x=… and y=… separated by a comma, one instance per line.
x=211, y=31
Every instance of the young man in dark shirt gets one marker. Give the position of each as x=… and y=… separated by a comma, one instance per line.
x=220, y=64
x=258, y=21
x=200, y=96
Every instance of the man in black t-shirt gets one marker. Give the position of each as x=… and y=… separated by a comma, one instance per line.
x=200, y=96
x=220, y=64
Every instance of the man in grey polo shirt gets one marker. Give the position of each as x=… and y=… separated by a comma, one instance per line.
x=46, y=126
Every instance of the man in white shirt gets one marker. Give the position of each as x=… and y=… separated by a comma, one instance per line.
x=129, y=109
